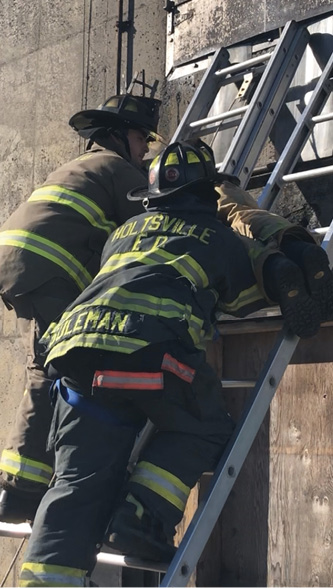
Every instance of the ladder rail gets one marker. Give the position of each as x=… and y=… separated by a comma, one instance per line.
x=208, y=87
x=226, y=473
x=210, y=507
x=261, y=112
x=299, y=137
x=266, y=103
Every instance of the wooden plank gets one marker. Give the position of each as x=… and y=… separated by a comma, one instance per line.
x=301, y=479
x=277, y=526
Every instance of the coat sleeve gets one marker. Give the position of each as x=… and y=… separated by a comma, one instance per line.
x=238, y=209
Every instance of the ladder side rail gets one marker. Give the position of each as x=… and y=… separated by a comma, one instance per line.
x=149, y=429
x=225, y=475
x=298, y=138
x=204, y=95
x=144, y=437
x=266, y=103
x=327, y=243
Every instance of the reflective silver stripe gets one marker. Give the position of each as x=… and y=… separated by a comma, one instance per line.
x=51, y=251
x=186, y=265
x=135, y=380
x=22, y=467
x=143, y=303
x=246, y=297
x=80, y=203
x=119, y=298
x=191, y=270
x=161, y=482
x=181, y=370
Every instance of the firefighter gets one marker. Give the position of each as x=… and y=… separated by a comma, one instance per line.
x=50, y=250
x=286, y=248
x=131, y=346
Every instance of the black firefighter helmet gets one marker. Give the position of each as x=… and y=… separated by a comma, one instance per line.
x=119, y=112
x=180, y=167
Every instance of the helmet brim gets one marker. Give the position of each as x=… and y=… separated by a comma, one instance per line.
x=89, y=120
x=142, y=192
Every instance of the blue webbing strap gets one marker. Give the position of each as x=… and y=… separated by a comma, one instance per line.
x=89, y=407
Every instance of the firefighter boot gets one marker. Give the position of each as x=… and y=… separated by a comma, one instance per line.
x=314, y=264
x=284, y=283
x=18, y=507
x=134, y=531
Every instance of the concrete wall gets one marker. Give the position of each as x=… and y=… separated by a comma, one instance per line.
x=56, y=58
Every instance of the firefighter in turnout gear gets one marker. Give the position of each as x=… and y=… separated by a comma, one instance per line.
x=285, y=257
x=50, y=250
x=131, y=347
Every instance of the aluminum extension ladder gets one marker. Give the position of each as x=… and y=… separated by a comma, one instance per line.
x=257, y=120
x=240, y=160
x=241, y=157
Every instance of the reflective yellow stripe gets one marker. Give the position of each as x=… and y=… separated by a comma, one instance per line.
x=245, y=298
x=80, y=203
x=161, y=482
x=22, y=467
x=189, y=268
x=52, y=251
x=116, y=343
x=38, y=574
x=185, y=265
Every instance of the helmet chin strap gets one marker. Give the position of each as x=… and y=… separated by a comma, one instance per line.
x=122, y=135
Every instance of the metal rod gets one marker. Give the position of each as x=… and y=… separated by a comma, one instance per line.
x=243, y=64
x=24, y=531
x=310, y=173
x=218, y=117
x=120, y=41
x=238, y=383
x=202, y=523
x=319, y=230
x=130, y=562
x=322, y=117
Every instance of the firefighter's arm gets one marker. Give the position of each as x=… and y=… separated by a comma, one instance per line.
x=238, y=209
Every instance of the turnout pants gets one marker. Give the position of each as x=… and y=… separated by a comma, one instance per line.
x=25, y=462
x=92, y=451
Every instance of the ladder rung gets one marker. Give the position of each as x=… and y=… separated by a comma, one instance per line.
x=23, y=530
x=15, y=531
x=297, y=141
x=238, y=383
x=243, y=65
x=218, y=117
x=126, y=561
x=310, y=173
x=322, y=117
x=239, y=77
x=319, y=230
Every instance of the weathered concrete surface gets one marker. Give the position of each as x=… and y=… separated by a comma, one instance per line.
x=200, y=26
x=56, y=58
